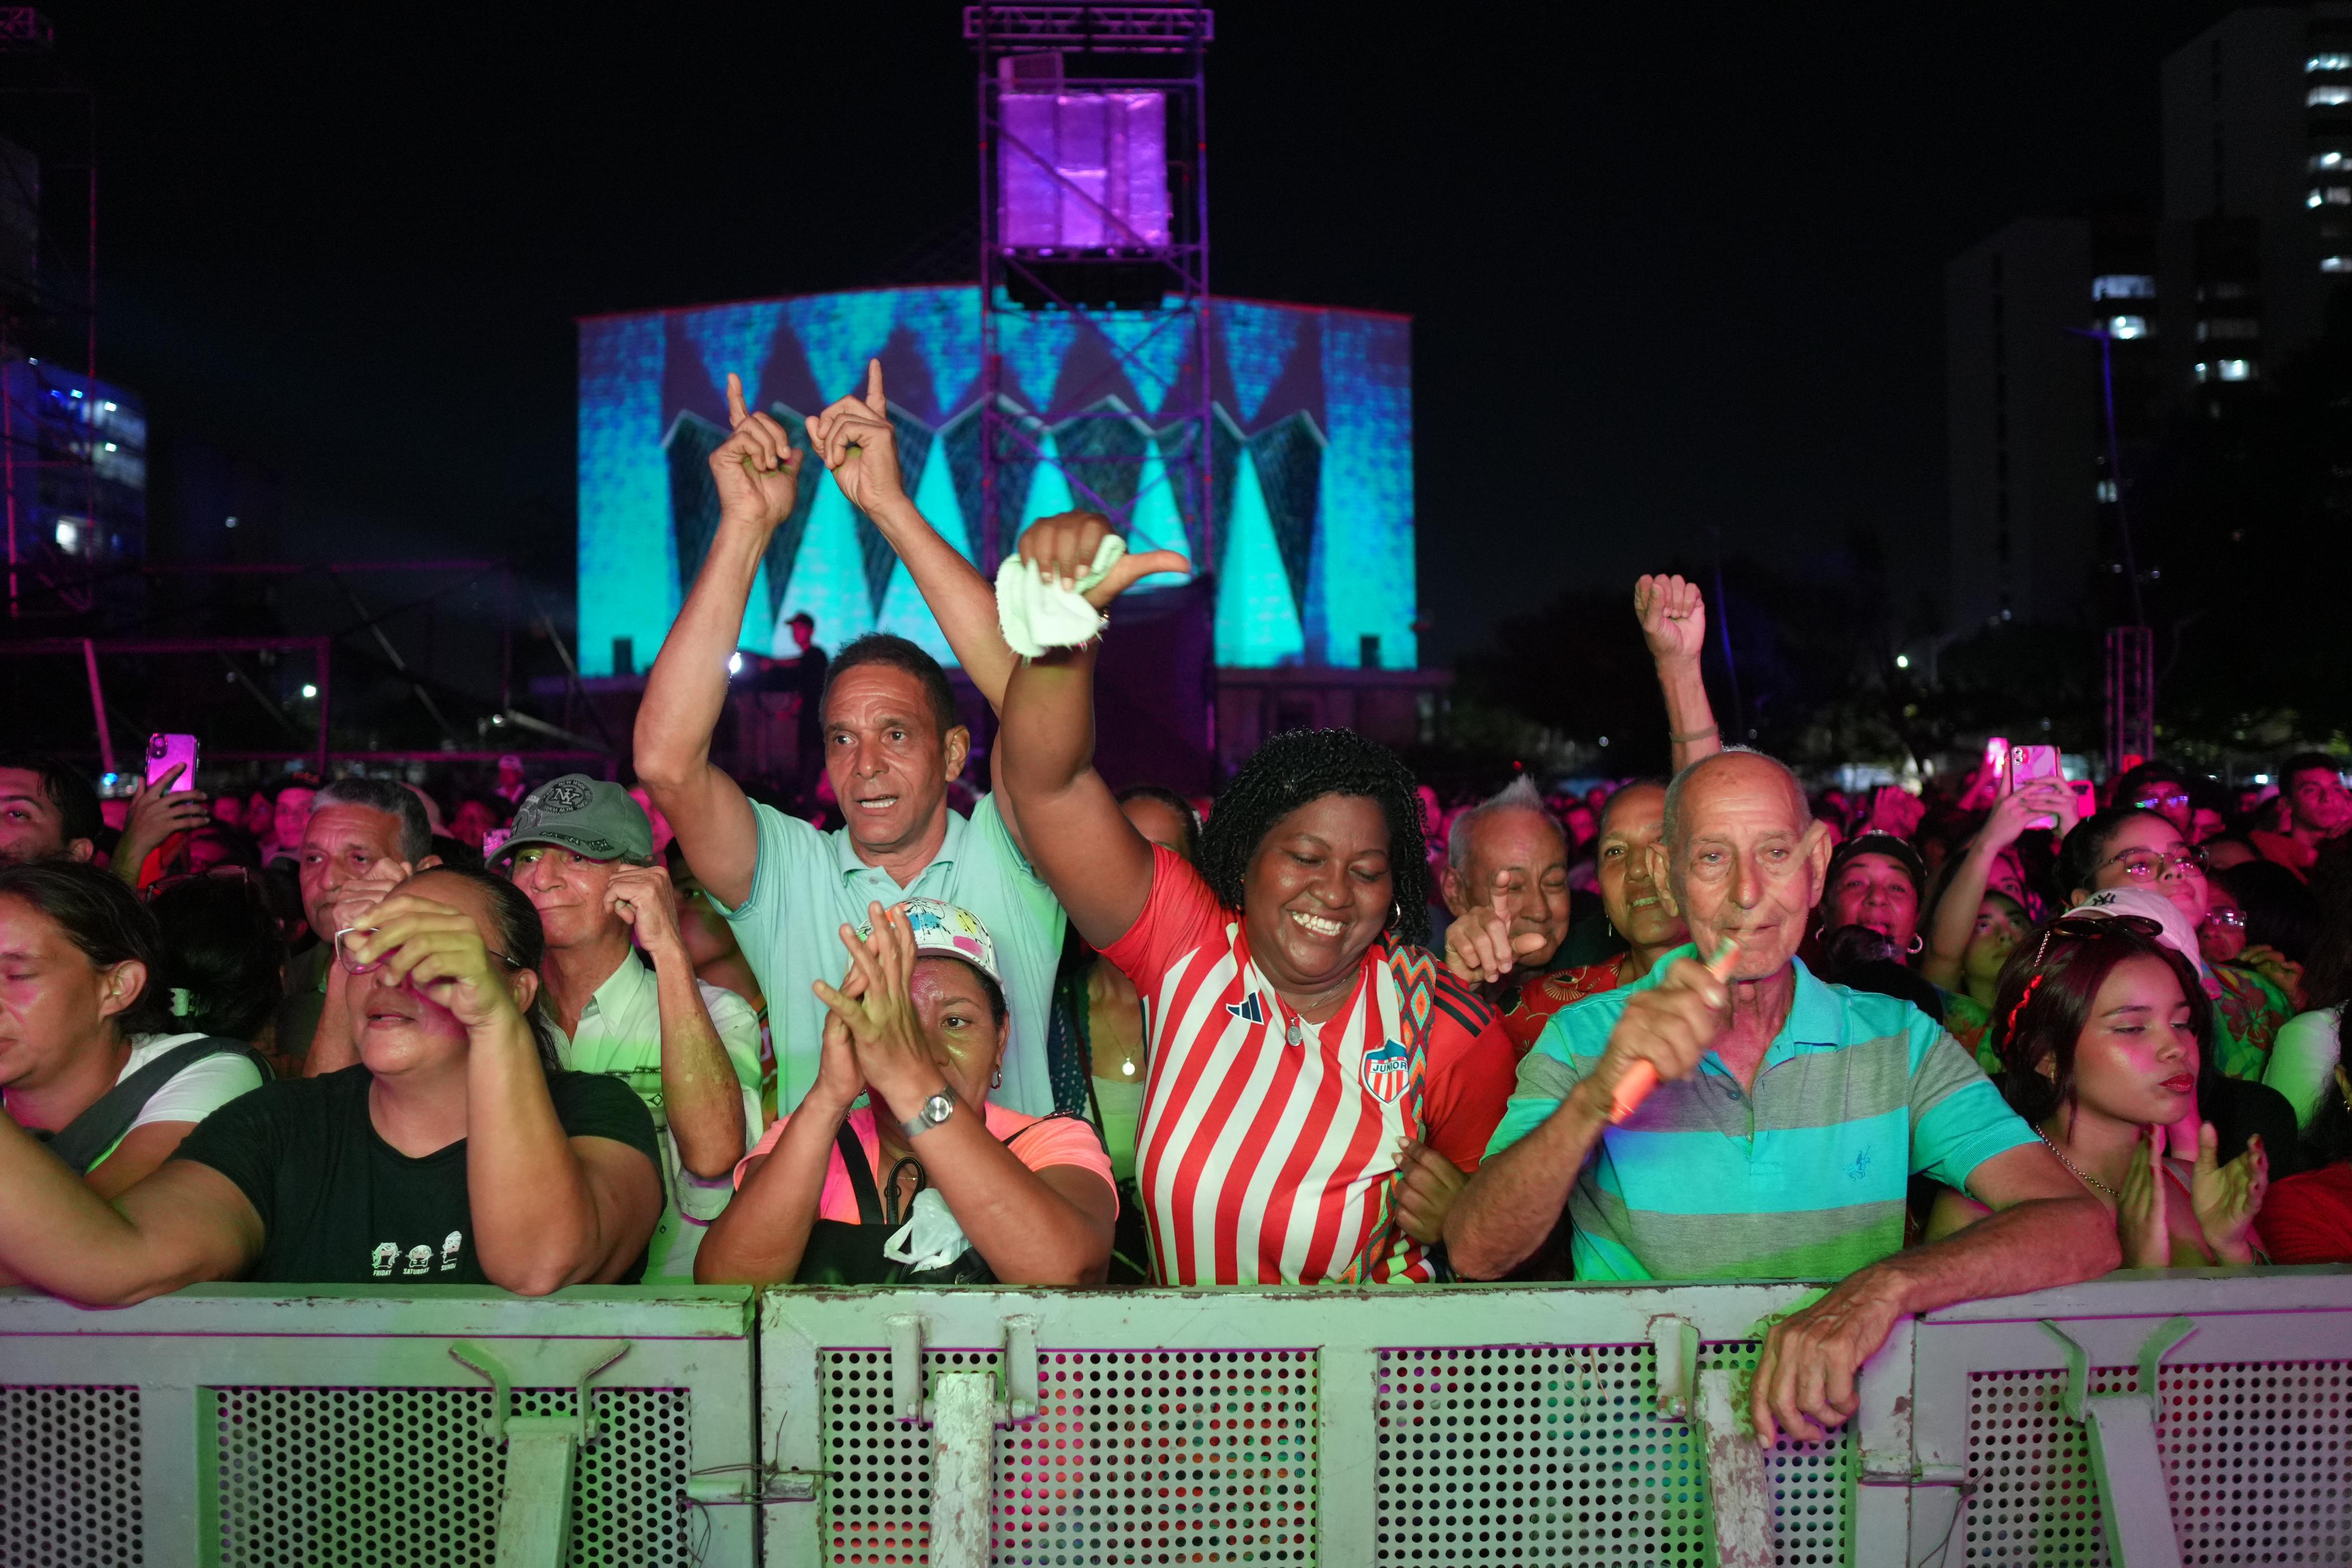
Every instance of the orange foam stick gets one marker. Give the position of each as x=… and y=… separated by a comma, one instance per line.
x=1642, y=1077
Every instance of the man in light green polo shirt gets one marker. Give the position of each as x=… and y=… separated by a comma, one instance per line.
x=582, y=851
x=893, y=743
x=1785, y=1118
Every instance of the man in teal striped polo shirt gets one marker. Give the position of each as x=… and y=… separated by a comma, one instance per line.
x=1788, y=1117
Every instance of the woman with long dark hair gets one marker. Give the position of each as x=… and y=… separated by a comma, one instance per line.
x=2099, y=1026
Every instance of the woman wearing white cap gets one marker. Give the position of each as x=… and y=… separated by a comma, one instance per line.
x=974, y=1193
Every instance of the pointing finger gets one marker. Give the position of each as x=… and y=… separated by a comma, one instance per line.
x=735, y=410
x=873, y=398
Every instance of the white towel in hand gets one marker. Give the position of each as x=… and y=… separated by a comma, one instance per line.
x=1036, y=615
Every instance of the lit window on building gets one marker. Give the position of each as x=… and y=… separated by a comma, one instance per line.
x=2335, y=264
x=2236, y=370
x=2106, y=490
x=69, y=534
x=2329, y=160
x=2126, y=326
x=2328, y=97
x=2204, y=371
x=2227, y=327
x=2329, y=62
x=2123, y=285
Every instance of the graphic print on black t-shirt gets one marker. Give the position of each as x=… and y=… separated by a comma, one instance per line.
x=338, y=1206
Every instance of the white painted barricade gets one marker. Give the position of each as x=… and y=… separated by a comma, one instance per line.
x=243, y=1424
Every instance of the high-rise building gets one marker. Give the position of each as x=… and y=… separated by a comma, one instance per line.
x=2257, y=192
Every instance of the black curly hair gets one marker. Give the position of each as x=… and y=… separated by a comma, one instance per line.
x=1306, y=764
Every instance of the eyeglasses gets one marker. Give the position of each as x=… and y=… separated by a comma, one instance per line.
x=2093, y=928
x=2143, y=865
x=2235, y=919
x=2161, y=802
x=355, y=964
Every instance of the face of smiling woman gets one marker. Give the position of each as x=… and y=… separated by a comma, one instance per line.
x=1317, y=892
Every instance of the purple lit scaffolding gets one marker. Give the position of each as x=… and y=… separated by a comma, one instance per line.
x=1093, y=220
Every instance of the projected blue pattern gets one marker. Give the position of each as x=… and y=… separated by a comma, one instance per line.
x=1313, y=463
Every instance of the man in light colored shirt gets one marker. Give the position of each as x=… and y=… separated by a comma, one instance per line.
x=893, y=743
x=582, y=851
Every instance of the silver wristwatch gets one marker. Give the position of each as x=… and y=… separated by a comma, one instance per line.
x=932, y=1112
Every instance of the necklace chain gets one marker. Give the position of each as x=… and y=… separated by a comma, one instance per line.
x=2080, y=1174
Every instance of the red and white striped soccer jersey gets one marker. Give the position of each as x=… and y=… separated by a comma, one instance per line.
x=1264, y=1157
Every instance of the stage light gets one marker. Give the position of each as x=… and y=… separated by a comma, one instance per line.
x=1902, y=661
x=734, y=664
x=309, y=690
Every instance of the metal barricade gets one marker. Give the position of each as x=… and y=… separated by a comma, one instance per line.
x=239, y=1424
x=1575, y=1425
x=2141, y=1420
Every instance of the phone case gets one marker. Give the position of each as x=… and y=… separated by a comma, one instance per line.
x=164, y=750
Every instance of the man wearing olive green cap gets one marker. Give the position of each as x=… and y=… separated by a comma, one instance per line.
x=582, y=850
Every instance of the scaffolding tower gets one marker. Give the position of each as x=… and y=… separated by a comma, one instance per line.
x=1094, y=223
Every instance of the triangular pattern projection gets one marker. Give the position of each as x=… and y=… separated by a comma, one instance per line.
x=1049, y=493
x=784, y=544
x=914, y=447
x=693, y=497
x=1153, y=350
x=903, y=610
x=737, y=337
x=1257, y=341
x=945, y=325
x=1034, y=347
x=1257, y=619
x=827, y=578
x=838, y=333
x=1226, y=444
x=1155, y=523
x=1102, y=450
x=1288, y=456
x=961, y=437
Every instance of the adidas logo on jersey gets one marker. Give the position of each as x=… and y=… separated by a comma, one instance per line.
x=1248, y=1009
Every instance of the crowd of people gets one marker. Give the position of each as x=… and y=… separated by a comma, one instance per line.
x=1963, y=1039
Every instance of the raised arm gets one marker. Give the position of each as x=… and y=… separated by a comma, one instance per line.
x=157, y=811
x=549, y=1209
x=184, y=1224
x=1958, y=905
x=756, y=472
x=1674, y=624
x=1094, y=860
x=701, y=1095
x=859, y=446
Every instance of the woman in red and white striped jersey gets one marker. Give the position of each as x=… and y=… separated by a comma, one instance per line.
x=1320, y=1087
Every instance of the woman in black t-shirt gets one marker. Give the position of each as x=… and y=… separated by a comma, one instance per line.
x=450, y=1155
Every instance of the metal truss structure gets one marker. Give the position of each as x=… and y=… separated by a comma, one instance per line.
x=1137, y=416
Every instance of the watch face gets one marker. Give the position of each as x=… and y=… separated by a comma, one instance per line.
x=936, y=1108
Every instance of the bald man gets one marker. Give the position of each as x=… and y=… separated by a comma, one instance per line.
x=1788, y=1118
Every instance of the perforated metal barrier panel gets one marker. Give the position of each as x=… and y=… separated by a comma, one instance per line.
x=1557, y=1454
x=1135, y=1457
x=70, y=1482
x=309, y=1477
x=2258, y=1463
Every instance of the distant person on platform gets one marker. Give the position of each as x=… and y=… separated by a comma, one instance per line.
x=2314, y=807
x=582, y=851
x=47, y=810
x=892, y=744
x=803, y=677
x=512, y=786
x=1786, y=1121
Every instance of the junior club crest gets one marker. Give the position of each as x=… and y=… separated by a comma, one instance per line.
x=1386, y=1073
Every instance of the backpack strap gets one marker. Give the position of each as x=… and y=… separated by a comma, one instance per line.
x=85, y=1140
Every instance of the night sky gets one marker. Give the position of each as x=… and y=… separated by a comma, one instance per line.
x=1670, y=270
